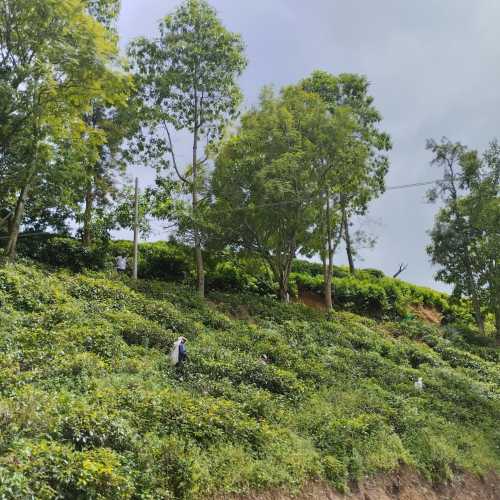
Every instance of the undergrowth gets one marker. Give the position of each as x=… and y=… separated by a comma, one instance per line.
x=90, y=408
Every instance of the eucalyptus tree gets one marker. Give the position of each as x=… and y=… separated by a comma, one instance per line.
x=367, y=153
x=265, y=178
x=54, y=60
x=188, y=76
x=465, y=239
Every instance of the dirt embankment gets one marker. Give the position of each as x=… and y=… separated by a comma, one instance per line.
x=403, y=485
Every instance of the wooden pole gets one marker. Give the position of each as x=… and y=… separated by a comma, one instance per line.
x=136, y=229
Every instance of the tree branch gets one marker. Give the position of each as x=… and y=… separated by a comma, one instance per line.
x=402, y=267
x=172, y=154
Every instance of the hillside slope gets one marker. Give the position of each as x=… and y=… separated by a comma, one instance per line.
x=90, y=408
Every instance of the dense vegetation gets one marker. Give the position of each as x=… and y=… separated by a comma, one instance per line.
x=273, y=394
x=284, y=178
x=368, y=292
x=90, y=407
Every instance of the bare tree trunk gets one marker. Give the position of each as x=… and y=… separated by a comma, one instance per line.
x=348, y=244
x=15, y=223
x=200, y=274
x=87, y=216
x=402, y=268
x=284, y=276
x=328, y=286
x=328, y=258
x=325, y=278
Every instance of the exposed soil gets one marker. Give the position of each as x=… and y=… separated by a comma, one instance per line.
x=427, y=314
x=316, y=301
x=311, y=299
x=402, y=485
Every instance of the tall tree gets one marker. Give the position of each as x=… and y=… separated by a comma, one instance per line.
x=337, y=172
x=53, y=62
x=264, y=182
x=353, y=172
x=188, y=78
x=466, y=234
x=369, y=144
x=116, y=123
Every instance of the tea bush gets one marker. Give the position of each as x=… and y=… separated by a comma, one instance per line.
x=367, y=291
x=272, y=395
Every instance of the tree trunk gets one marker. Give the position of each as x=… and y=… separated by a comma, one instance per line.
x=497, y=326
x=478, y=315
x=15, y=224
x=328, y=287
x=281, y=268
x=87, y=216
x=328, y=258
x=348, y=244
x=200, y=274
x=283, y=284
x=326, y=290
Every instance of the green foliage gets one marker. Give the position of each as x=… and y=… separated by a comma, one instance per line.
x=240, y=274
x=370, y=293
x=367, y=292
x=268, y=168
x=57, y=61
x=465, y=238
x=64, y=252
x=187, y=78
x=158, y=260
x=90, y=407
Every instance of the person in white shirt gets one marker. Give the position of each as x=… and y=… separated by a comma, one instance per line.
x=121, y=264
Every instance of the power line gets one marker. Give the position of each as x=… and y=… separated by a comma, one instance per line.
x=416, y=184
x=293, y=202
x=278, y=203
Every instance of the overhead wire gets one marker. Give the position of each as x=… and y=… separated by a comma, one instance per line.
x=279, y=203
x=292, y=202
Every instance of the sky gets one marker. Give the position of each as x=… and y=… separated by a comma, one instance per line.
x=434, y=70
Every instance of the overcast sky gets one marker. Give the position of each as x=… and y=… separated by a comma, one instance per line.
x=434, y=68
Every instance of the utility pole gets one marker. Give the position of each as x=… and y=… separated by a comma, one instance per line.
x=136, y=229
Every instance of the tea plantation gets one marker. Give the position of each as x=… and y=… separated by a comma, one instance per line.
x=90, y=408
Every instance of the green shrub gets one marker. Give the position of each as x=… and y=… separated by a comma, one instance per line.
x=229, y=275
x=91, y=408
x=46, y=470
x=65, y=252
x=164, y=260
x=375, y=273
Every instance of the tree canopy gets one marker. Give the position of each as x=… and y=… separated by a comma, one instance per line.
x=188, y=77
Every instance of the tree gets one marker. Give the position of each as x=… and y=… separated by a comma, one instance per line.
x=53, y=62
x=188, y=80
x=465, y=239
x=368, y=148
x=263, y=181
x=352, y=173
x=116, y=123
x=104, y=11
x=337, y=172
